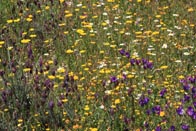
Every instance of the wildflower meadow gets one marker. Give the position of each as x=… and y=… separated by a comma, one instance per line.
x=97, y=65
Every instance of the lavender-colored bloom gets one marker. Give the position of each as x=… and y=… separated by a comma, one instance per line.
x=190, y=111
x=144, y=61
x=194, y=116
x=124, y=76
x=172, y=128
x=158, y=128
x=185, y=127
x=148, y=112
x=162, y=92
x=143, y=100
x=127, y=54
x=138, y=61
x=186, y=97
x=113, y=79
x=156, y=109
x=194, y=90
x=194, y=103
x=132, y=61
x=122, y=52
x=192, y=79
x=51, y=105
x=186, y=87
x=146, y=124
x=149, y=65
x=180, y=110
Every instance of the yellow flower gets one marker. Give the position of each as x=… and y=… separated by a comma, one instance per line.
x=181, y=77
x=47, y=7
x=80, y=31
x=17, y=20
x=110, y=0
x=93, y=129
x=65, y=100
x=139, y=1
x=33, y=36
x=2, y=42
x=69, y=51
x=61, y=1
x=25, y=41
x=9, y=21
x=117, y=101
x=26, y=69
x=29, y=19
x=51, y=77
x=190, y=9
x=68, y=15
x=164, y=67
x=61, y=70
x=65, y=32
x=75, y=77
x=162, y=113
x=86, y=108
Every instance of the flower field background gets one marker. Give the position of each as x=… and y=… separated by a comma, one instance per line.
x=98, y=65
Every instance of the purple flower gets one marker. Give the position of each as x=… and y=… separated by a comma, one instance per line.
x=194, y=103
x=186, y=97
x=192, y=79
x=138, y=61
x=127, y=54
x=172, y=128
x=158, y=128
x=162, y=92
x=132, y=61
x=144, y=61
x=186, y=87
x=156, y=109
x=113, y=79
x=180, y=110
x=149, y=65
x=194, y=116
x=51, y=105
x=148, y=112
x=185, y=127
x=146, y=124
x=122, y=52
x=194, y=90
x=143, y=100
x=190, y=111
